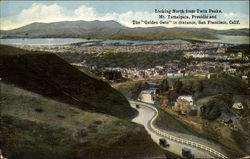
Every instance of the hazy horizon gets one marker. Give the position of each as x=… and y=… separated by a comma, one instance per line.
x=181, y=27
x=18, y=14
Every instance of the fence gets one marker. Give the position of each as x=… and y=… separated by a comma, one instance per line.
x=177, y=139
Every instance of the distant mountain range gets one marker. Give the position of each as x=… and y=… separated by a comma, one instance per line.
x=111, y=30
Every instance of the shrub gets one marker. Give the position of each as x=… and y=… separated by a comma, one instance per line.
x=61, y=116
x=98, y=122
x=40, y=110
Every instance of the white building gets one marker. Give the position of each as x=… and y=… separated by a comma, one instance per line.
x=174, y=74
x=148, y=96
x=187, y=98
x=238, y=106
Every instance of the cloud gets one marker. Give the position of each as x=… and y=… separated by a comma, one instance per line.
x=85, y=12
x=37, y=13
x=54, y=13
x=127, y=17
x=40, y=12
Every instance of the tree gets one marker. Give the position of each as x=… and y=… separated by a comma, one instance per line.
x=178, y=85
x=164, y=85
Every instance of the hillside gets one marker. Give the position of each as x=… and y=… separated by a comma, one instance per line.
x=35, y=127
x=214, y=98
x=221, y=84
x=64, y=29
x=122, y=59
x=112, y=30
x=50, y=76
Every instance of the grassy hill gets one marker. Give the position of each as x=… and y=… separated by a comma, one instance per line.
x=49, y=75
x=49, y=109
x=63, y=29
x=35, y=127
x=112, y=30
x=215, y=98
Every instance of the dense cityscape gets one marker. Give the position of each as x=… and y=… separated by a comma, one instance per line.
x=201, y=58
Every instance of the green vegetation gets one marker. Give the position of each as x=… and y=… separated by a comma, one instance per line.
x=130, y=89
x=234, y=32
x=123, y=59
x=28, y=140
x=223, y=84
x=152, y=35
x=203, y=87
x=49, y=75
x=213, y=106
x=212, y=111
x=164, y=85
x=235, y=141
x=88, y=72
x=244, y=48
x=167, y=121
x=43, y=114
x=112, y=30
x=200, y=131
x=213, y=97
x=35, y=127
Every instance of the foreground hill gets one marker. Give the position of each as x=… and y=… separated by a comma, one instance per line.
x=111, y=30
x=35, y=127
x=52, y=77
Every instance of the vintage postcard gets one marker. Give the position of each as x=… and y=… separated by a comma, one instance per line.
x=124, y=79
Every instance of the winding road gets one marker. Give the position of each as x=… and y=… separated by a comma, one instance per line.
x=148, y=113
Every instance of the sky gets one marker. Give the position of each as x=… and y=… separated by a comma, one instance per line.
x=15, y=14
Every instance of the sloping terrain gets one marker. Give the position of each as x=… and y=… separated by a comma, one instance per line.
x=64, y=29
x=111, y=30
x=130, y=89
x=215, y=98
x=35, y=127
x=49, y=75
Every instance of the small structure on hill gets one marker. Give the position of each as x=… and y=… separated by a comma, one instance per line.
x=148, y=96
x=184, y=105
x=222, y=49
x=238, y=106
